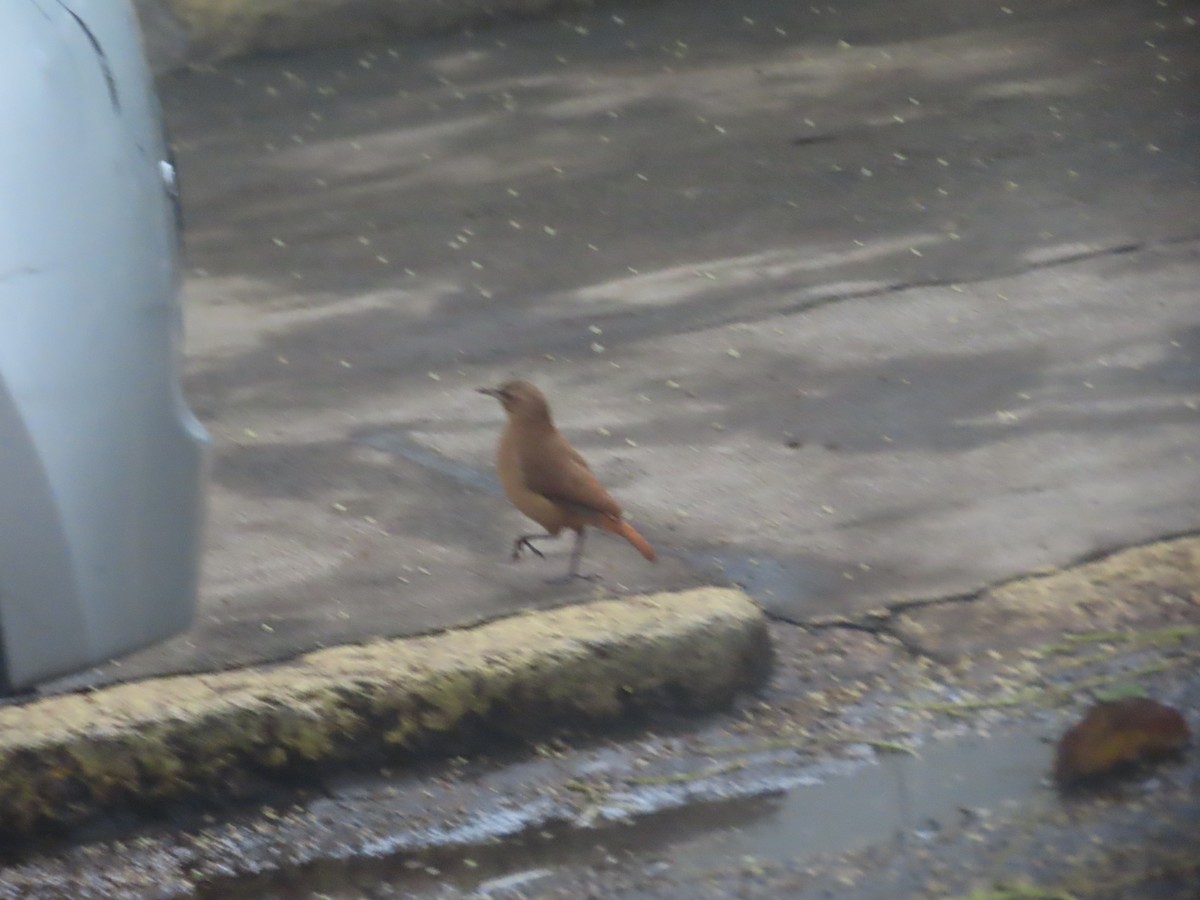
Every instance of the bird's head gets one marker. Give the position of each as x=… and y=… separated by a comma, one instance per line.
x=521, y=400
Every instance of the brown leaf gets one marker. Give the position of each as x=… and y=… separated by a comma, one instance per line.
x=1118, y=733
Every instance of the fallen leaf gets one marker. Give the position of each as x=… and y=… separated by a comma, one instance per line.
x=1117, y=733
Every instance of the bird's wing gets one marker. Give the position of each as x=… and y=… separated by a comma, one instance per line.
x=560, y=474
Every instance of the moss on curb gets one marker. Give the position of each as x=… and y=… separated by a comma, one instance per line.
x=66, y=759
x=1157, y=582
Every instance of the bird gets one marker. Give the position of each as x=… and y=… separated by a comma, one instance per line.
x=548, y=481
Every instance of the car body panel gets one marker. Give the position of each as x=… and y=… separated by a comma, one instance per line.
x=102, y=465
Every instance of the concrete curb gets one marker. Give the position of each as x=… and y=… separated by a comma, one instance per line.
x=66, y=759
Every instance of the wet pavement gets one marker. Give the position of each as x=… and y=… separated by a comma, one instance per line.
x=853, y=304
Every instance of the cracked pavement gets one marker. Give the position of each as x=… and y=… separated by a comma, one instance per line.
x=853, y=305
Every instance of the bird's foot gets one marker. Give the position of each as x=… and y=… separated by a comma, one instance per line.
x=575, y=576
x=524, y=543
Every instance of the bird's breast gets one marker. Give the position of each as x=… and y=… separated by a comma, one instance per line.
x=509, y=468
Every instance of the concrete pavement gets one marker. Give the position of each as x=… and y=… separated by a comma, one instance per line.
x=851, y=305
x=183, y=32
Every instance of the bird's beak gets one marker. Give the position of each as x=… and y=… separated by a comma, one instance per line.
x=491, y=392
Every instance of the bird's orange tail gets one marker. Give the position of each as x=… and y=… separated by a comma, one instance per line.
x=627, y=531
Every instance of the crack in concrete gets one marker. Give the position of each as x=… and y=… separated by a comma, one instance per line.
x=881, y=622
x=901, y=286
x=621, y=324
x=700, y=323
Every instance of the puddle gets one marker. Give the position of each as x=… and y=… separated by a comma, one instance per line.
x=712, y=824
x=788, y=587
x=916, y=794
x=767, y=580
x=398, y=444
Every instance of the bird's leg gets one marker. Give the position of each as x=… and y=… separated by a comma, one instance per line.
x=576, y=554
x=576, y=557
x=525, y=542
